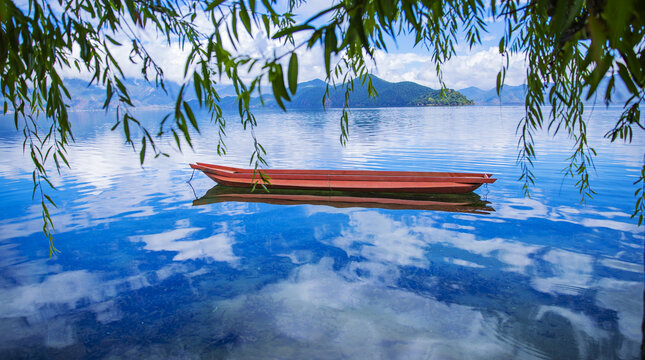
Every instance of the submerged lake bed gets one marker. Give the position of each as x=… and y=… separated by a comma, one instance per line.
x=145, y=271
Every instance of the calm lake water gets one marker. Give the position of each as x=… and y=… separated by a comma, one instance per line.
x=143, y=273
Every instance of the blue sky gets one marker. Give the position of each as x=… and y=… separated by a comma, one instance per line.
x=402, y=62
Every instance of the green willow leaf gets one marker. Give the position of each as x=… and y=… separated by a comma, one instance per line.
x=293, y=73
x=244, y=16
x=142, y=152
x=213, y=4
x=191, y=116
x=291, y=30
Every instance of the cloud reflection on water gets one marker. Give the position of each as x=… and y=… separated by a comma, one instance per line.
x=360, y=318
x=50, y=310
x=218, y=247
x=355, y=309
x=374, y=236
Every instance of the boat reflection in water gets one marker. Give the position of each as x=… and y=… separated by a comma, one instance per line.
x=465, y=203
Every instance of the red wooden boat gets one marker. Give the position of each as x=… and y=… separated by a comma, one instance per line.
x=348, y=180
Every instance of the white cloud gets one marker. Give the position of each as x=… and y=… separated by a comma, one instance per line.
x=171, y=58
x=471, y=68
x=476, y=68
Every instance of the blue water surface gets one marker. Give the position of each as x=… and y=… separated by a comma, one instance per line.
x=143, y=273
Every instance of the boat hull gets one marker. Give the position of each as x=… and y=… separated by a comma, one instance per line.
x=465, y=203
x=347, y=180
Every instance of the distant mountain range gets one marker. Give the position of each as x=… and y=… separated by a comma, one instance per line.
x=515, y=95
x=310, y=95
x=511, y=95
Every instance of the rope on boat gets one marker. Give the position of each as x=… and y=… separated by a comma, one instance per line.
x=193, y=189
x=191, y=176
